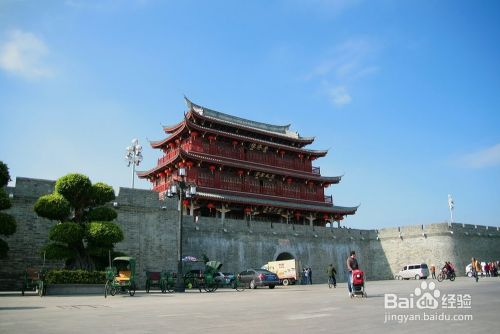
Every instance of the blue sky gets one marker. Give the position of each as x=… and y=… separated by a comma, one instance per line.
x=405, y=94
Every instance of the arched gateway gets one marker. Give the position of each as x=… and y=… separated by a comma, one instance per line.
x=285, y=256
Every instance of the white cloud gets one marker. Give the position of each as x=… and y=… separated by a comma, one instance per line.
x=347, y=63
x=339, y=95
x=487, y=157
x=23, y=54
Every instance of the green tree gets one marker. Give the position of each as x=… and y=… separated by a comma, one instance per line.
x=85, y=232
x=7, y=222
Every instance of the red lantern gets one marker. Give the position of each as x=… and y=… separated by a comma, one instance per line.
x=212, y=168
x=235, y=142
x=185, y=202
x=194, y=134
x=171, y=145
x=297, y=215
x=282, y=153
x=325, y=217
x=301, y=156
x=241, y=172
x=168, y=171
x=248, y=210
x=211, y=138
x=189, y=164
x=289, y=180
x=181, y=164
x=210, y=206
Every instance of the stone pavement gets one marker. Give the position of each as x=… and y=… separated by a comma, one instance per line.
x=294, y=309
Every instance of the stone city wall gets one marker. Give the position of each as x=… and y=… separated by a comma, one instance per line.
x=150, y=226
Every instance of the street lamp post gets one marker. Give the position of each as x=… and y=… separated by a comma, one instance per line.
x=451, y=206
x=134, y=157
x=180, y=188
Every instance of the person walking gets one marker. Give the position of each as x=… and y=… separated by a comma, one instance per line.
x=476, y=268
x=433, y=271
x=310, y=275
x=352, y=264
x=331, y=272
x=306, y=275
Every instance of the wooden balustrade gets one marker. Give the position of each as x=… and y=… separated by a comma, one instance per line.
x=227, y=150
x=220, y=180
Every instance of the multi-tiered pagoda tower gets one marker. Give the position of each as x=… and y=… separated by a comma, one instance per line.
x=245, y=169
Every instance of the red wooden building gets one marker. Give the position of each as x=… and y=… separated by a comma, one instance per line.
x=245, y=169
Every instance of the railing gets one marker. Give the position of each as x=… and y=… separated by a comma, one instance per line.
x=169, y=155
x=238, y=152
x=219, y=180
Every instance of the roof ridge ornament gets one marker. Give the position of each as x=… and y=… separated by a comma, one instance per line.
x=193, y=106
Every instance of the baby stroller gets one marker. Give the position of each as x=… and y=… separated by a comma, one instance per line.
x=358, y=284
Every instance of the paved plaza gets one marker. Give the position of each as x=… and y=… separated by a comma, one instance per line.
x=294, y=309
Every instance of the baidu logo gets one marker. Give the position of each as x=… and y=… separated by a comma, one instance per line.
x=424, y=297
x=429, y=305
x=428, y=296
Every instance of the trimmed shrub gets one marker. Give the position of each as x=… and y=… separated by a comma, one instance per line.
x=67, y=232
x=4, y=249
x=76, y=188
x=7, y=224
x=55, y=251
x=76, y=277
x=4, y=200
x=53, y=207
x=104, y=233
x=4, y=174
x=102, y=193
x=102, y=214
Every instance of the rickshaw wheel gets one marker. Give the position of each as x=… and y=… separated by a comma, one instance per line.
x=170, y=288
x=40, y=289
x=106, y=289
x=112, y=291
x=131, y=291
x=211, y=289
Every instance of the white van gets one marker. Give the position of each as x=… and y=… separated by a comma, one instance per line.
x=468, y=269
x=416, y=271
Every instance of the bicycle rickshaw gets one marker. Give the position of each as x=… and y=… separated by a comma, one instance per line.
x=120, y=276
x=202, y=279
x=209, y=283
x=34, y=280
x=165, y=281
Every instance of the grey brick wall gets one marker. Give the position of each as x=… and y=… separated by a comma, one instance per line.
x=150, y=226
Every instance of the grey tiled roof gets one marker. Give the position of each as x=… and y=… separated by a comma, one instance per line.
x=234, y=120
x=247, y=199
x=260, y=141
